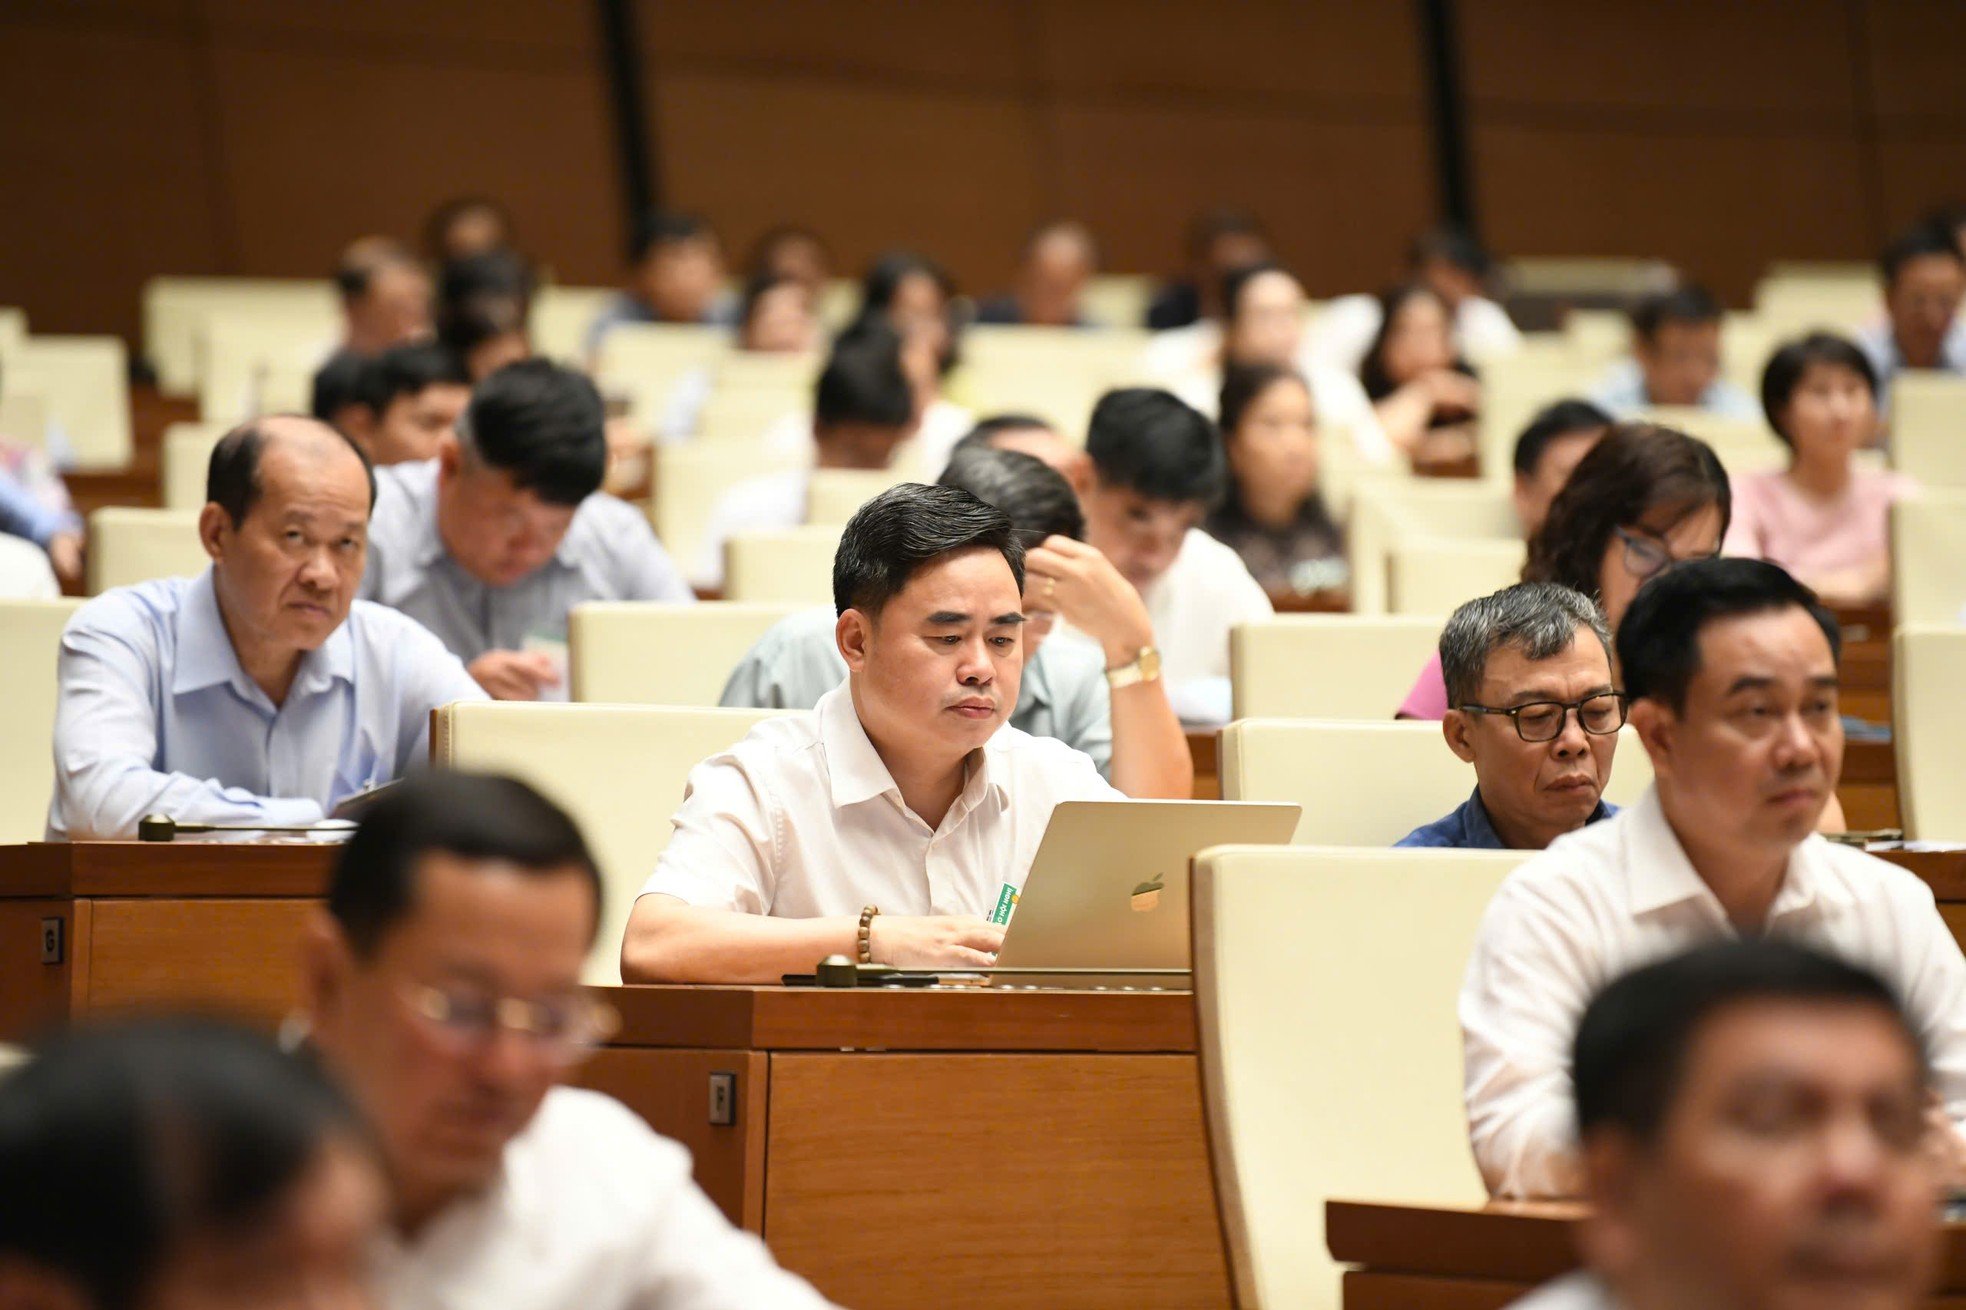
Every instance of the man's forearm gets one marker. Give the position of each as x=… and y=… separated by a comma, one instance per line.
x=676, y=943
x=1150, y=751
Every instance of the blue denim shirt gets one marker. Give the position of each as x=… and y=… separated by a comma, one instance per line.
x=1469, y=828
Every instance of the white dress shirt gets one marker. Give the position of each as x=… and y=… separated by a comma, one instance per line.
x=609, y=553
x=156, y=716
x=25, y=573
x=590, y=1211
x=1618, y=894
x=802, y=820
x=1342, y=331
x=762, y=504
x=1579, y=1291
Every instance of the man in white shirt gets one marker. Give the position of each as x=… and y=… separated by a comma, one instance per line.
x=890, y=820
x=493, y=542
x=1731, y=668
x=1754, y=1129
x=442, y=987
x=863, y=408
x=1157, y=469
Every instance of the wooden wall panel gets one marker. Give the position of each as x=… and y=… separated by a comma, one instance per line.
x=953, y=46
x=1915, y=48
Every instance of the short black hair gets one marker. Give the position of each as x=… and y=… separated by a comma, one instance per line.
x=487, y=273
x=1243, y=384
x=544, y=425
x=1454, y=245
x=1035, y=495
x=1629, y=1056
x=987, y=430
x=337, y=385
x=882, y=283
x=906, y=528
x=467, y=323
x=121, y=1142
x=472, y=816
x=661, y=227
x=1560, y=419
x=863, y=382
x=1786, y=366
x=1916, y=242
x=406, y=370
x=1687, y=305
x=232, y=473
x=1659, y=640
x=1150, y=442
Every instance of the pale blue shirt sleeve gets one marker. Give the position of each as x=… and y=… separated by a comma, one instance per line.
x=111, y=673
x=789, y=668
x=1082, y=704
x=22, y=514
x=643, y=568
x=430, y=677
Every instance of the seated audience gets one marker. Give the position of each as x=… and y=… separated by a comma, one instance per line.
x=485, y=311
x=466, y=226
x=1548, y=451
x=863, y=407
x=1924, y=281
x=1675, y=360
x=1265, y=325
x=795, y=254
x=1644, y=499
x=1274, y=516
x=1130, y=732
x=1451, y=264
x=260, y=691
x=167, y=1164
x=1533, y=706
x=336, y=391
x=884, y=824
x=491, y=543
x=442, y=986
x=1822, y=518
x=1425, y=395
x=1753, y=1128
x=408, y=400
x=778, y=316
x=35, y=507
x=1157, y=471
x=1731, y=670
x=1029, y=435
x=385, y=296
x=1059, y=259
x=677, y=277
x=1218, y=242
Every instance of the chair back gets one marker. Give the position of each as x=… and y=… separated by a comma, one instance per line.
x=1928, y=427
x=792, y=566
x=1928, y=723
x=1928, y=557
x=30, y=645
x=1436, y=575
x=651, y=653
x=135, y=545
x=1328, y=666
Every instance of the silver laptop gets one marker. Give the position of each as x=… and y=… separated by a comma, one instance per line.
x=1108, y=888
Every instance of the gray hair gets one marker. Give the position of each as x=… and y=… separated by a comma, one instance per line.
x=1540, y=619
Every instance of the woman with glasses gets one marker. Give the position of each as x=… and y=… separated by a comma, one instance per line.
x=1822, y=518
x=1644, y=499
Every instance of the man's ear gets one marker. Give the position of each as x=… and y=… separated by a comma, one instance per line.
x=450, y=455
x=1455, y=727
x=1608, y=1237
x=853, y=633
x=326, y=962
x=360, y=421
x=214, y=529
x=1657, y=728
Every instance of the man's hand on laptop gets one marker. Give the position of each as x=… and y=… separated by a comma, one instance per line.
x=903, y=941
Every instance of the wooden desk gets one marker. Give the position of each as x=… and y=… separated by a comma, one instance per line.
x=93, y=927
x=1022, y=1147
x=1869, y=786
x=1409, y=1257
x=1204, y=749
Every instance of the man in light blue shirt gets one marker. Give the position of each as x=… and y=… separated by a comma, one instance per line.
x=260, y=691
x=1924, y=278
x=1675, y=361
x=492, y=543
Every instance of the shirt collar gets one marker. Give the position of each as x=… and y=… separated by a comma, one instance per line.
x=1477, y=829
x=855, y=771
x=206, y=658
x=1659, y=874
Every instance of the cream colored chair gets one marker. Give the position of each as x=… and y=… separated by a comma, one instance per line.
x=647, y=653
x=645, y=361
x=1746, y=342
x=23, y=413
x=187, y=457
x=13, y=329
x=1386, y=511
x=1117, y=300
x=833, y=495
x=1515, y=387
x=1435, y=575
x=1928, y=427
x=1928, y=724
x=254, y=364
x=1369, y=784
x=84, y=384
x=1928, y=557
x=1598, y=336
x=1325, y=991
x=1795, y=300
x=560, y=318
x=785, y=375
x=1328, y=666
x=743, y=416
x=618, y=769
x=175, y=310
x=789, y=567
x=30, y=641
x=135, y=545
x=690, y=480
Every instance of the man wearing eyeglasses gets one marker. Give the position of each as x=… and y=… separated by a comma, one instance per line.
x=1731, y=669
x=1532, y=706
x=443, y=988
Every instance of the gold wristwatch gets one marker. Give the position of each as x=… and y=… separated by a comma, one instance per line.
x=1144, y=668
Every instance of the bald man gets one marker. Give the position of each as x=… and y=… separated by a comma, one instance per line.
x=260, y=692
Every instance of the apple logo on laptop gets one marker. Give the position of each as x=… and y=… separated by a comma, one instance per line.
x=1146, y=896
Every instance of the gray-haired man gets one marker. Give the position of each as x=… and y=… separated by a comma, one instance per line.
x=1532, y=705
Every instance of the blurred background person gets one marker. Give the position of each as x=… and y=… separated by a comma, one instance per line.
x=385, y=295
x=1675, y=360
x=1058, y=261
x=1218, y=242
x=796, y=253
x=677, y=277
x=1547, y=451
x=1924, y=279
x=1273, y=514
x=1453, y=265
x=466, y=226
x=1424, y=393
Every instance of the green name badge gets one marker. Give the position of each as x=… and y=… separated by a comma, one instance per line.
x=1006, y=902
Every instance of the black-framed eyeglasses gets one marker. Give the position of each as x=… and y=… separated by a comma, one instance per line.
x=1544, y=720
x=1646, y=557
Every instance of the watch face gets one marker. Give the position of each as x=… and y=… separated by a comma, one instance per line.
x=1149, y=664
